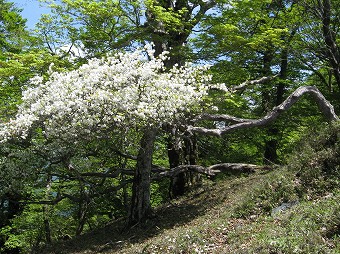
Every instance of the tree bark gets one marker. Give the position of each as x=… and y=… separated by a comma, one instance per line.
x=140, y=208
x=177, y=183
x=82, y=213
x=178, y=156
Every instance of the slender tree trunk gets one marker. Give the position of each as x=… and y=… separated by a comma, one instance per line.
x=270, y=153
x=177, y=183
x=190, y=157
x=140, y=208
x=47, y=226
x=184, y=154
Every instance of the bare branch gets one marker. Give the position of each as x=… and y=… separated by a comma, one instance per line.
x=262, y=80
x=325, y=107
x=234, y=168
x=220, y=117
x=107, y=174
x=185, y=168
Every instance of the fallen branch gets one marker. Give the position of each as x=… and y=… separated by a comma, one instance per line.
x=233, y=168
x=236, y=168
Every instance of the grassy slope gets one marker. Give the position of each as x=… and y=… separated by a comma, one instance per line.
x=217, y=218
x=234, y=215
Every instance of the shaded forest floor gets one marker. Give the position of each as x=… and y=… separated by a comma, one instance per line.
x=257, y=213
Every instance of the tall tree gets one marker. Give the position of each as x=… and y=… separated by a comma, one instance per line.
x=319, y=44
x=253, y=39
x=13, y=39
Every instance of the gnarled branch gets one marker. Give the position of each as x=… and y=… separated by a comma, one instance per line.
x=325, y=107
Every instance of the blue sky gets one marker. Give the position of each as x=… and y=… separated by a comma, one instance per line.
x=32, y=9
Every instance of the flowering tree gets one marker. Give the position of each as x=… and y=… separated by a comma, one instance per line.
x=126, y=90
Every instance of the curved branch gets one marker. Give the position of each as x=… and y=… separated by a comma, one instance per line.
x=325, y=107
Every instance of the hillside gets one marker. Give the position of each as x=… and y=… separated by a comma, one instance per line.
x=291, y=209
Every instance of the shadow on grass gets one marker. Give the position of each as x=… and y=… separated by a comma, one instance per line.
x=115, y=236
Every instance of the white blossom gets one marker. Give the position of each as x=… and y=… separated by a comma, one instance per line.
x=122, y=89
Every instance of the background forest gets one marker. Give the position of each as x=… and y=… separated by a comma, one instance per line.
x=55, y=187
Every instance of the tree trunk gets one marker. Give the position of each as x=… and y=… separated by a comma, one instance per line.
x=270, y=147
x=190, y=158
x=82, y=214
x=47, y=226
x=270, y=152
x=140, y=208
x=333, y=52
x=172, y=39
x=177, y=183
x=185, y=155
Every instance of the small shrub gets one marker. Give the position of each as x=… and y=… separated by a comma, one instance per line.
x=305, y=228
x=277, y=188
x=317, y=161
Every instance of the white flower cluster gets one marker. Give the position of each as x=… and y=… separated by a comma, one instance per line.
x=123, y=89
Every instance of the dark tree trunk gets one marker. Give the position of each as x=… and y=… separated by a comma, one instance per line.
x=333, y=51
x=270, y=147
x=177, y=183
x=82, y=215
x=140, y=208
x=270, y=152
x=47, y=226
x=184, y=154
x=190, y=155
